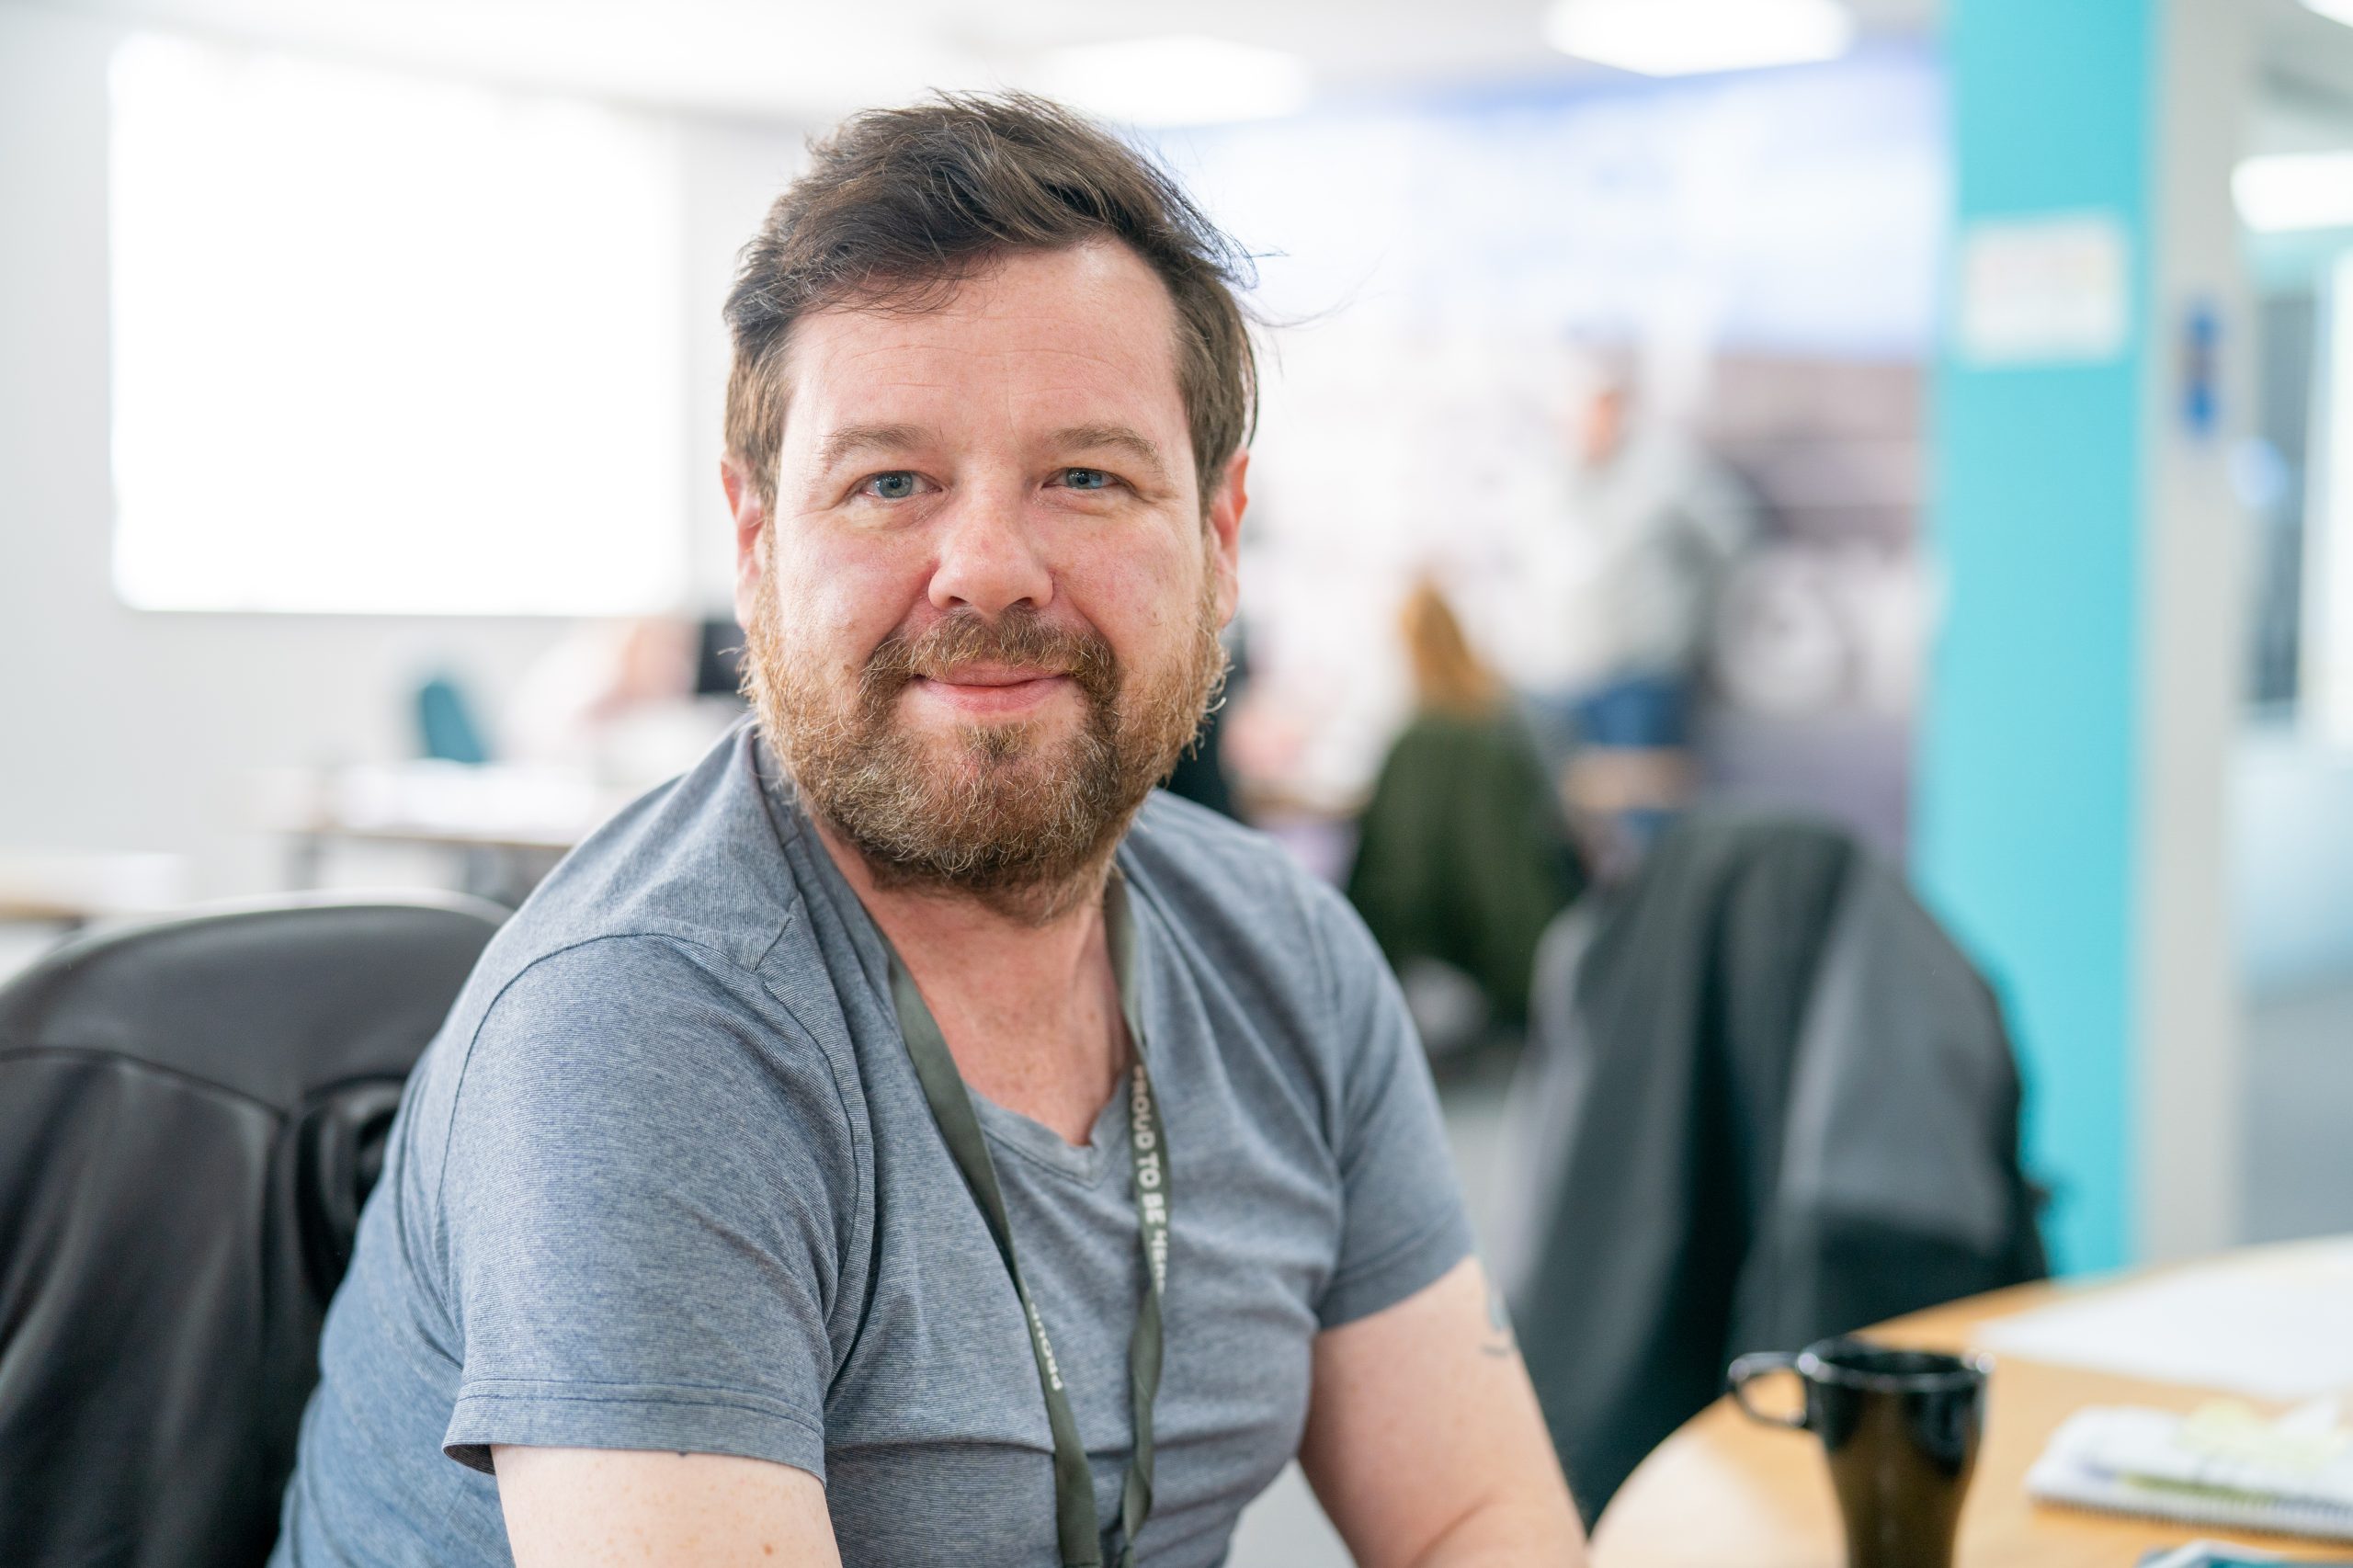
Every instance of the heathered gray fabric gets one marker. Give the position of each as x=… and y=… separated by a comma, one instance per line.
x=666, y=1180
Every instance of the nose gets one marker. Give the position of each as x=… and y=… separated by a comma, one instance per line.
x=988, y=559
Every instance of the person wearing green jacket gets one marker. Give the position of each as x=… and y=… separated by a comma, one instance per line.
x=1463, y=856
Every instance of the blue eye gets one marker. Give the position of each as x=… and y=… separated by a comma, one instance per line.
x=894, y=486
x=1086, y=479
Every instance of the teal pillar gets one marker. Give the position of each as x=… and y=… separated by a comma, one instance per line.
x=2026, y=809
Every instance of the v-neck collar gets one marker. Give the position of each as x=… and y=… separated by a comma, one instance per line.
x=1042, y=1145
x=1034, y=1139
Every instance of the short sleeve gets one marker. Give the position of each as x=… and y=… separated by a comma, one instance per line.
x=1402, y=1219
x=644, y=1204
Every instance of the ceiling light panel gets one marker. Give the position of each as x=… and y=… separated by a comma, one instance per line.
x=2295, y=191
x=1682, y=37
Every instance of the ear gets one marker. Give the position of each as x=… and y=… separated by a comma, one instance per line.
x=1227, y=503
x=751, y=525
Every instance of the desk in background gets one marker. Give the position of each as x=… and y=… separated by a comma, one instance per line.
x=46, y=894
x=505, y=824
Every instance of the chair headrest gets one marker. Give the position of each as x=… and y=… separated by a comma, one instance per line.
x=270, y=1000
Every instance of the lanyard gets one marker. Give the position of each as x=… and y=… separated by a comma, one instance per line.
x=952, y=1107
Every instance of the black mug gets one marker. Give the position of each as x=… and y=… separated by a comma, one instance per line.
x=1901, y=1428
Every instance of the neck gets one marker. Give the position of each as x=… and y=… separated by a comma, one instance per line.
x=1030, y=1007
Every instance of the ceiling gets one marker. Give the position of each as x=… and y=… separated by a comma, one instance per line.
x=807, y=61
x=803, y=60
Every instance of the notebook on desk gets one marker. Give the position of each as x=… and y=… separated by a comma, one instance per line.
x=2222, y=1466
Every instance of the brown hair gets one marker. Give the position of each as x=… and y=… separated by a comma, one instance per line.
x=1448, y=676
x=899, y=206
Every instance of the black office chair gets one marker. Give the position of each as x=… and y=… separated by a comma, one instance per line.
x=191, y=1113
x=1766, y=1099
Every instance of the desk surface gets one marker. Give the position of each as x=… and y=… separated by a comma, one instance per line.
x=1725, y=1489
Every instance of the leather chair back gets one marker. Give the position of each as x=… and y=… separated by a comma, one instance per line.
x=192, y=1114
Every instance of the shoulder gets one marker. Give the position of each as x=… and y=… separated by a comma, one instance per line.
x=1457, y=738
x=633, y=999
x=635, y=1088
x=634, y=1042
x=662, y=924
x=615, y=989
x=1249, y=908
x=698, y=860
x=685, y=906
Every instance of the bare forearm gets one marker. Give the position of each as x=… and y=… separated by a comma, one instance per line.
x=1510, y=1533
x=1425, y=1443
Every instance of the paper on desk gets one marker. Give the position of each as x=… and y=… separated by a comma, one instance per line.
x=2276, y=1328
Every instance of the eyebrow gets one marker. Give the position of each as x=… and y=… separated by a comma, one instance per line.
x=1119, y=439
x=851, y=439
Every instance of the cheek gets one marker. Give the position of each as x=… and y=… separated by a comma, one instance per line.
x=838, y=605
x=1142, y=600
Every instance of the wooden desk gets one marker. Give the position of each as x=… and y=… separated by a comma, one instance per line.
x=1726, y=1491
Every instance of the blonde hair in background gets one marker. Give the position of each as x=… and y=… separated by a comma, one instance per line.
x=1448, y=676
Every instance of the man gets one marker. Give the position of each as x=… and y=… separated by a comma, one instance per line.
x=1654, y=525
x=889, y=1144
x=1653, y=528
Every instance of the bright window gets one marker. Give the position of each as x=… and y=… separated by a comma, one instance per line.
x=388, y=344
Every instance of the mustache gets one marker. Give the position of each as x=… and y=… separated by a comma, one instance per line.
x=1019, y=637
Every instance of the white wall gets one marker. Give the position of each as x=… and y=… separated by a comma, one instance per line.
x=2293, y=863
x=731, y=174
x=2191, y=1072
x=126, y=730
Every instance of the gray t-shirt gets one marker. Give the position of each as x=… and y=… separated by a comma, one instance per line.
x=666, y=1180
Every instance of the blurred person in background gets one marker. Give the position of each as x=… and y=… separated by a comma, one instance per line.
x=1464, y=857
x=1652, y=526
x=730, y=1215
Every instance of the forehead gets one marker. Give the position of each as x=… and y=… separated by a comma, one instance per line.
x=1082, y=335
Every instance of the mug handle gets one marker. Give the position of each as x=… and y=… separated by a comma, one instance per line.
x=1747, y=1370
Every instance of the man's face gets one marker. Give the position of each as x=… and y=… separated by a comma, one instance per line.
x=982, y=617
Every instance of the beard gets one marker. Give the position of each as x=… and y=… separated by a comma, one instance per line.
x=1018, y=814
